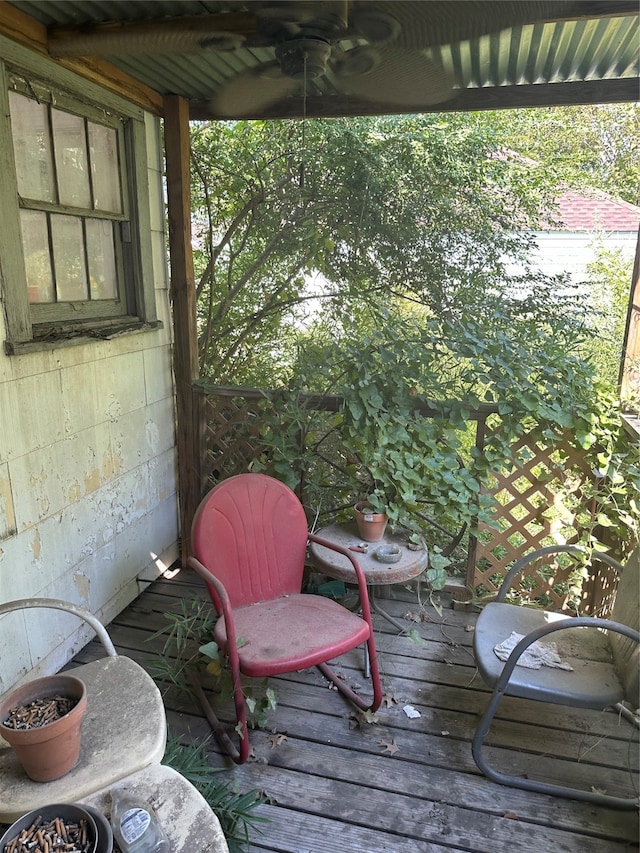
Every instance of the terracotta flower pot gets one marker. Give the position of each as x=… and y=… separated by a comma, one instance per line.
x=371, y=525
x=51, y=750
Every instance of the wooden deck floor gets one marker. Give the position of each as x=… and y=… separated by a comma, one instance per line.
x=406, y=785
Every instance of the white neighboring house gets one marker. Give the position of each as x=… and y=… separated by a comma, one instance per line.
x=591, y=220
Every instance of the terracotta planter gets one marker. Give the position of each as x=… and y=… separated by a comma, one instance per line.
x=51, y=750
x=371, y=525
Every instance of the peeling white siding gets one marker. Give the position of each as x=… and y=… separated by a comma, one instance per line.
x=87, y=474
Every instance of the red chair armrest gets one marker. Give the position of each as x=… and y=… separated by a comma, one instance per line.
x=362, y=583
x=222, y=605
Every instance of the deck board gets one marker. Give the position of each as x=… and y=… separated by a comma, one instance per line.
x=334, y=785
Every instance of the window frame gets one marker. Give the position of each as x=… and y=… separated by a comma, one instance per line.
x=31, y=325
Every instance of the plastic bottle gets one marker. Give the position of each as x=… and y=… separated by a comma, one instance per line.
x=135, y=826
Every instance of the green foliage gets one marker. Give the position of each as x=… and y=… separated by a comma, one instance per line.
x=413, y=208
x=609, y=279
x=401, y=438
x=189, y=646
x=582, y=146
x=387, y=278
x=234, y=810
x=614, y=458
x=185, y=633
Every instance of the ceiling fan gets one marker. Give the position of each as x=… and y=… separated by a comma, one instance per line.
x=307, y=39
x=372, y=50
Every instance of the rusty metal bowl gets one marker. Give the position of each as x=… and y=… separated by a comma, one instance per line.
x=388, y=553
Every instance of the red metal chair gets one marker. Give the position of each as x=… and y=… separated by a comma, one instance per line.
x=249, y=538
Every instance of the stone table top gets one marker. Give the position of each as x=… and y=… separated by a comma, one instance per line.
x=124, y=730
x=411, y=563
x=189, y=822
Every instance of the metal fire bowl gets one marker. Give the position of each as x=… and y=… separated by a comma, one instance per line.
x=388, y=553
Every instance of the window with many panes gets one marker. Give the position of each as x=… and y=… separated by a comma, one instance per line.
x=68, y=177
x=80, y=195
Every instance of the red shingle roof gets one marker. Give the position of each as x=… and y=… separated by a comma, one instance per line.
x=594, y=210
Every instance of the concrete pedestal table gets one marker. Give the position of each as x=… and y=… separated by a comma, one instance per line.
x=377, y=574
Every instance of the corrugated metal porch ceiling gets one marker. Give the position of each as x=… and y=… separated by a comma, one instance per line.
x=603, y=49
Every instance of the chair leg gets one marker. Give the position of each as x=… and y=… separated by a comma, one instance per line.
x=344, y=688
x=239, y=756
x=531, y=784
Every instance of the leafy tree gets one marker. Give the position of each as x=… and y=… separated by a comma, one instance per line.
x=609, y=277
x=375, y=258
x=595, y=146
x=417, y=209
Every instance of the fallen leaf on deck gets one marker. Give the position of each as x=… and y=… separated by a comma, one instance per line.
x=390, y=747
x=257, y=759
x=358, y=718
x=415, y=637
x=277, y=739
x=388, y=700
x=511, y=816
x=417, y=616
x=469, y=628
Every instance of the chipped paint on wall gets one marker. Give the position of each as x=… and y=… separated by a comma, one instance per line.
x=36, y=544
x=83, y=585
x=92, y=480
x=37, y=484
x=153, y=436
x=114, y=410
x=87, y=474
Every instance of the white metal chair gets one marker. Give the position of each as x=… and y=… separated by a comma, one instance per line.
x=603, y=654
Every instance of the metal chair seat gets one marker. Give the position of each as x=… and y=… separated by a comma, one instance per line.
x=316, y=628
x=593, y=680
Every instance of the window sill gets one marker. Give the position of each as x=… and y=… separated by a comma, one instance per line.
x=66, y=337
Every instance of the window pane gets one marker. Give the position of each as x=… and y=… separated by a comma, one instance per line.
x=70, y=147
x=102, y=259
x=35, y=240
x=32, y=148
x=103, y=149
x=69, y=258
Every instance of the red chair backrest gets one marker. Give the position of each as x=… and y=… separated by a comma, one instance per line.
x=251, y=532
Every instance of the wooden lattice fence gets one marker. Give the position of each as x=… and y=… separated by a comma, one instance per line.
x=543, y=498
x=230, y=438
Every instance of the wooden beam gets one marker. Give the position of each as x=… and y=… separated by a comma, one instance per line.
x=32, y=34
x=545, y=95
x=183, y=297
x=465, y=100
x=627, y=378
x=167, y=35
x=593, y=9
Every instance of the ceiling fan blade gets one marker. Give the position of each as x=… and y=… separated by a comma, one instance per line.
x=404, y=78
x=170, y=35
x=253, y=90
